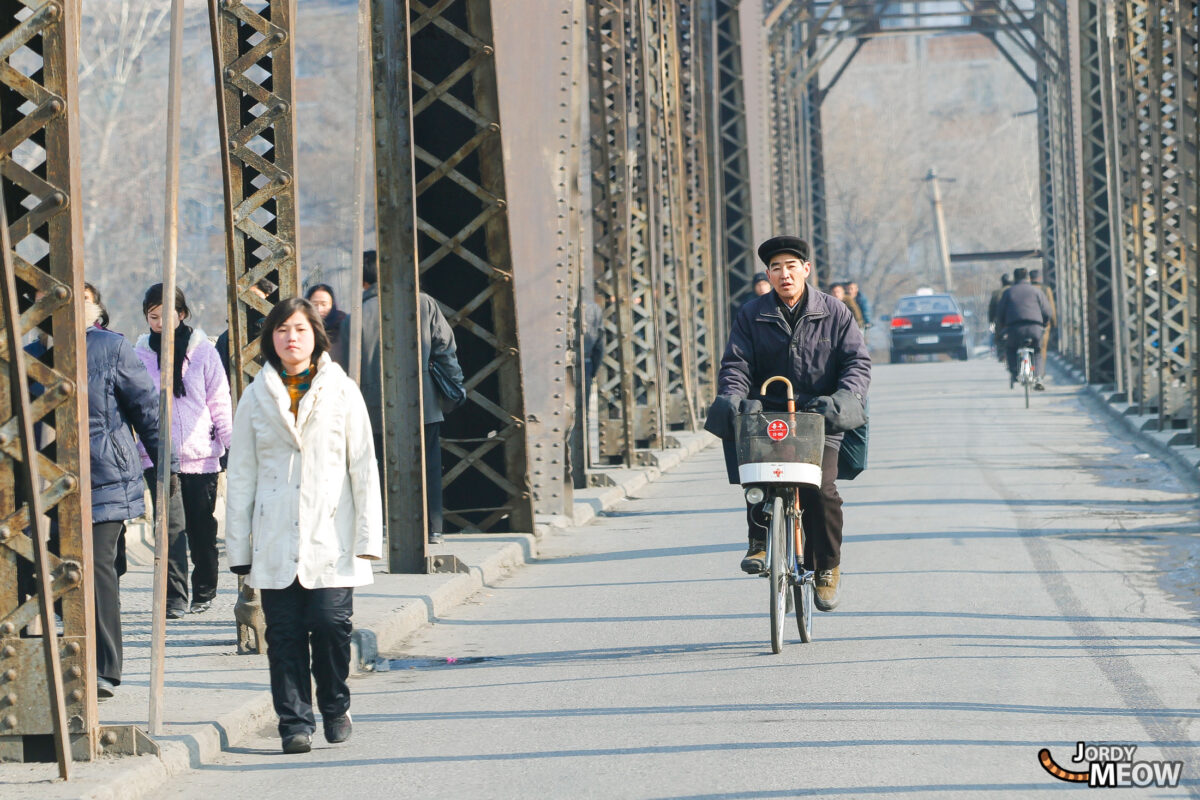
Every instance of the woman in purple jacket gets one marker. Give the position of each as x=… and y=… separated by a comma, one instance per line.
x=201, y=426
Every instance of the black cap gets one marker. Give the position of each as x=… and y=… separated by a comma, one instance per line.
x=782, y=244
x=760, y=277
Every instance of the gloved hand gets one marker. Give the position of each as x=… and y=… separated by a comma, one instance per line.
x=843, y=410
x=721, y=414
x=750, y=406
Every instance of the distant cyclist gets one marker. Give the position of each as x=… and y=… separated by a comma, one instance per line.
x=1022, y=314
x=811, y=339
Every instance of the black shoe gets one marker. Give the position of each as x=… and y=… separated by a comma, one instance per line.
x=1038, y=386
x=436, y=538
x=338, y=729
x=176, y=612
x=105, y=688
x=201, y=607
x=755, y=561
x=297, y=743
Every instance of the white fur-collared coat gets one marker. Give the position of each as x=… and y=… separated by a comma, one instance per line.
x=303, y=497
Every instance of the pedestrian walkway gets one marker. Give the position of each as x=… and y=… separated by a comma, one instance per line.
x=214, y=697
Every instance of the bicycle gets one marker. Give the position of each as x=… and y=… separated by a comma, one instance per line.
x=778, y=453
x=1025, y=374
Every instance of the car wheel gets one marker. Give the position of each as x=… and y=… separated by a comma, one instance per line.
x=962, y=354
x=897, y=357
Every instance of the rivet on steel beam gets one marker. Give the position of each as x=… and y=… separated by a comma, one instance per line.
x=487, y=50
x=283, y=180
x=494, y=127
x=72, y=648
x=56, y=200
x=70, y=483
x=109, y=738
x=53, y=11
x=11, y=698
x=57, y=106
x=280, y=108
x=288, y=250
x=10, y=721
x=8, y=629
x=76, y=695
x=8, y=652
x=230, y=74
x=279, y=37
x=75, y=671
x=10, y=675
x=4, y=439
x=501, y=203
x=74, y=576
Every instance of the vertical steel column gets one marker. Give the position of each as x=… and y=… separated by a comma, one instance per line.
x=39, y=139
x=466, y=262
x=1186, y=45
x=396, y=212
x=699, y=219
x=253, y=56
x=733, y=213
x=611, y=223
x=1101, y=311
x=816, y=213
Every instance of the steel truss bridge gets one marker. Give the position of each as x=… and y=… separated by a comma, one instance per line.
x=531, y=155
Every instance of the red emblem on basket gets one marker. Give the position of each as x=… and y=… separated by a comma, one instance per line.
x=778, y=472
x=777, y=430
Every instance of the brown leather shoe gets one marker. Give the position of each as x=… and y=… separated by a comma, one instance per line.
x=755, y=561
x=827, y=589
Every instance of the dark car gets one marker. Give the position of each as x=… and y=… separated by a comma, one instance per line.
x=929, y=323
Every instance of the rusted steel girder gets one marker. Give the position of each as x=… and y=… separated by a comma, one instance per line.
x=253, y=56
x=465, y=259
x=39, y=139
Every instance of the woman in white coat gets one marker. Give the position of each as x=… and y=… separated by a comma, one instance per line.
x=304, y=517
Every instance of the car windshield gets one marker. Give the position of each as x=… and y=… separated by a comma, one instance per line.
x=925, y=305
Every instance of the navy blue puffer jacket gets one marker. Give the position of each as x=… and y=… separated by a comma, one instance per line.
x=120, y=394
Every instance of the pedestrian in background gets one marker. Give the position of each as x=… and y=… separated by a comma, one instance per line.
x=993, y=306
x=370, y=378
x=321, y=296
x=120, y=396
x=442, y=391
x=201, y=426
x=762, y=284
x=860, y=299
x=254, y=321
x=304, y=517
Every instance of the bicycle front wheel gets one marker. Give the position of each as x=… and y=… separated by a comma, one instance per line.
x=803, y=592
x=1026, y=381
x=777, y=548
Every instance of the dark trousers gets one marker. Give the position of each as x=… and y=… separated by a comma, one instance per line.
x=306, y=625
x=106, y=540
x=433, y=475
x=1016, y=336
x=177, y=584
x=199, y=495
x=821, y=517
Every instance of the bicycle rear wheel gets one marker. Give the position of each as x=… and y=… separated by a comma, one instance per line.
x=802, y=593
x=777, y=549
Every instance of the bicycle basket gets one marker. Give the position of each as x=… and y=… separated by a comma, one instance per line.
x=779, y=447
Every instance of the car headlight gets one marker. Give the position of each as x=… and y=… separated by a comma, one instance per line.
x=755, y=495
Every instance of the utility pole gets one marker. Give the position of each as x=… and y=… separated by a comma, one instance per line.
x=939, y=225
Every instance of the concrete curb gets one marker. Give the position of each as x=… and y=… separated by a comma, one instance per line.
x=1182, y=458
x=133, y=778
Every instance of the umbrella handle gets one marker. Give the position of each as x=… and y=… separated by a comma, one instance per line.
x=791, y=397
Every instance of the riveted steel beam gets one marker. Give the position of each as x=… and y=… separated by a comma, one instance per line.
x=39, y=166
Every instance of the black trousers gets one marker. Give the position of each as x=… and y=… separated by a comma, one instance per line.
x=106, y=540
x=821, y=517
x=433, y=475
x=177, y=583
x=1015, y=336
x=308, y=626
x=199, y=494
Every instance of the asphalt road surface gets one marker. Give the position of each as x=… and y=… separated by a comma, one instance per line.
x=1015, y=580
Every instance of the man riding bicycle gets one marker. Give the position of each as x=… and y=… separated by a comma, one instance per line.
x=1023, y=313
x=812, y=340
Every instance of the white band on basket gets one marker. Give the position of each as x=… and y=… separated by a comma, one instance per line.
x=780, y=472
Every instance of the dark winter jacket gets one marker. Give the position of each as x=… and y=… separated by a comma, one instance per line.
x=437, y=345
x=120, y=394
x=1023, y=304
